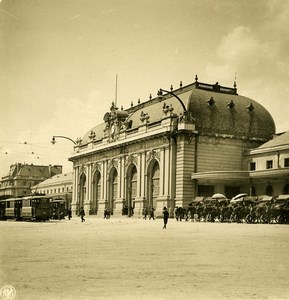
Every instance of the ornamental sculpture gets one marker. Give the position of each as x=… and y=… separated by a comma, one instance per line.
x=114, y=122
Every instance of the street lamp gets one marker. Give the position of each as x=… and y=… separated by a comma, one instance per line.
x=178, y=98
x=64, y=137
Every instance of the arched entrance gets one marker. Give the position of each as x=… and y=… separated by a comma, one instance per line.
x=113, y=186
x=269, y=190
x=153, y=184
x=82, y=190
x=96, y=188
x=131, y=189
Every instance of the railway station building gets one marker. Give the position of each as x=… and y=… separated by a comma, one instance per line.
x=166, y=151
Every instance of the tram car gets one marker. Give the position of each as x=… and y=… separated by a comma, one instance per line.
x=59, y=208
x=33, y=208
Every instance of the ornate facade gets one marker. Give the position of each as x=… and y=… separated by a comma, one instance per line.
x=168, y=150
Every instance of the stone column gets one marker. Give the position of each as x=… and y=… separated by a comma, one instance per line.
x=119, y=202
x=165, y=181
x=103, y=197
x=74, y=207
x=87, y=199
x=139, y=200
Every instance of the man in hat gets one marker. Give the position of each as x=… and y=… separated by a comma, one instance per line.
x=166, y=217
x=82, y=214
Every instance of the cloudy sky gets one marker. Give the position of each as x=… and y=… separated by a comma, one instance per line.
x=59, y=60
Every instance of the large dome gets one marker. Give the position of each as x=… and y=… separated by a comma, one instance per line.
x=220, y=113
x=216, y=111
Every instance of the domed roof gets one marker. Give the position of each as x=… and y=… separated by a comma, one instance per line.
x=217, y=111
x=221, y=113
x=97, y=130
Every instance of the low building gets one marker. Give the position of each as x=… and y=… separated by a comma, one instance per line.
x=22, y=177
x=269, y=166
x=58, y=187
x=168, y=150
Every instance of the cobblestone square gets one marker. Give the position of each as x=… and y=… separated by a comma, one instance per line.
x=130, y=258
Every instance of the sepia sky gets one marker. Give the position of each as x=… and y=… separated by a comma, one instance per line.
x=59, y=60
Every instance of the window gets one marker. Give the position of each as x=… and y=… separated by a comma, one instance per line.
x=231, y=191
x=269, y=164
x=252, y=166
x=26, y=203
x=206, y=190
x=286, y=162
x=134, y=183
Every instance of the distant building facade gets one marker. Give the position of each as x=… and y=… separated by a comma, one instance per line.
x=58, y=187
x=269, y=167
x=168, y=150
x=22, y=177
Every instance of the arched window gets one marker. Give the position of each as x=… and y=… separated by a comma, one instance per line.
x=155, y=183
x=113, y=189
x=82, y=190
x=133, y=183
x=96, y=192
x=131, y=190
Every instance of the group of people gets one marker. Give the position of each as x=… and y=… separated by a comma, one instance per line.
x=59, y=214
x=151, y=216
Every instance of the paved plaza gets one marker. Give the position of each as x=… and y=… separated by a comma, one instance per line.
x=131, y=258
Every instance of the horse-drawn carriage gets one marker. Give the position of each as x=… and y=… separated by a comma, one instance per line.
x=280, y=209
x=241, y=208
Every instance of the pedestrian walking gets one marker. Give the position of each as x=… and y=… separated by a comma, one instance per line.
x=69, y=214
x=152, y=214
x=82, y=214
x=145, y=213
x=166, y=217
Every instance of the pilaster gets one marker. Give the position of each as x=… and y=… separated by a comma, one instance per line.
x=74, y=204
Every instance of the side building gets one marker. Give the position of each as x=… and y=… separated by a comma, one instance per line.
x=164, y=152
x=21, y=177
x=58, y=187
x=269, y=166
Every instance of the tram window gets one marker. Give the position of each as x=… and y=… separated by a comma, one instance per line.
x=8, y=204
x=26, y=203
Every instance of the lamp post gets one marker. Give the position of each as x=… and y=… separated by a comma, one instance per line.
x=177, y=97
x=64, y=137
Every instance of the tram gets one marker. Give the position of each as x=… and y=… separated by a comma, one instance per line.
x=59, y=208
x=33, y=208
